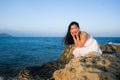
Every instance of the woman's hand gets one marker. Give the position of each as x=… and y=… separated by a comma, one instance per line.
x=77, y=40
x=77, y=34
x=72, y=34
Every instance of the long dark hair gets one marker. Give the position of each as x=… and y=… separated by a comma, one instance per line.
x=68, y=39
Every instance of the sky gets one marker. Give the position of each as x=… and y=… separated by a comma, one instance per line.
x=50, y=18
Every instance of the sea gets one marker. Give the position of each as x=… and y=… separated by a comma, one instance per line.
x=17, y=53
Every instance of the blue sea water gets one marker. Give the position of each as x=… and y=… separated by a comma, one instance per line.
x=16, y=53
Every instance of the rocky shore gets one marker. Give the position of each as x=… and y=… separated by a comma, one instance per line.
x=89, y=67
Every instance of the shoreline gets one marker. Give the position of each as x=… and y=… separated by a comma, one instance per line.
x=46, y=70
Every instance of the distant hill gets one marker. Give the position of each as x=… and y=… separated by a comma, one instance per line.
x=5, y=35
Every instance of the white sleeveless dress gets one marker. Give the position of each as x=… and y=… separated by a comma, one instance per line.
x=89, y=46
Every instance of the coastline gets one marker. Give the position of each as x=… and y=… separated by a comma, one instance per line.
x=34, y=49
x=46, y=71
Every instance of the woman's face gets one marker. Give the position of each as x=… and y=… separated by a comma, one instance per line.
x=74, y=29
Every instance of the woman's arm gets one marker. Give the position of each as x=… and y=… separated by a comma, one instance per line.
x=82, y=40
x=75, y=40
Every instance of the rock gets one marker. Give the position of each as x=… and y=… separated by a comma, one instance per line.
x=90, y=67
x=110, y=48
x=43, y=72
x=5, y=35
x=67, y=55
x=93, y=65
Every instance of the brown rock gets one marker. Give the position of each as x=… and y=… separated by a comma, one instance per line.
x=110, y=48
x=90, y=67
x=67, y=55
x=106, y=67
x=43, y=72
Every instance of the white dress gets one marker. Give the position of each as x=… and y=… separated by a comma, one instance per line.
x=90, y=45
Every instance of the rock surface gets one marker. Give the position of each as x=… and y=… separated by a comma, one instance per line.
x=67, y=55
x=90, y=67
x=110, y=48
x=104, y=67
x=43, y=72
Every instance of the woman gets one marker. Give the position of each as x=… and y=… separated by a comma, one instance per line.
x=83, y=42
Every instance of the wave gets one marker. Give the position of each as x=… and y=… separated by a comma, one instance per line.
x=8, y=78
x=1, y=78
x=114, y=43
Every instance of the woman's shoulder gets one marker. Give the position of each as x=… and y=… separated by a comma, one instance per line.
x=83, y=33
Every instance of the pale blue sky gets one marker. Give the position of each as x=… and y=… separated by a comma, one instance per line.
x=52, y=17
